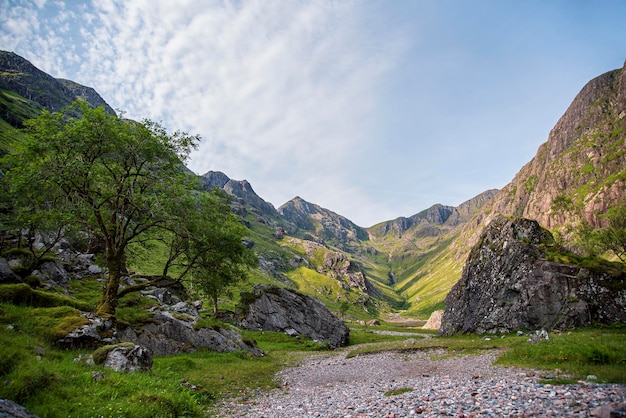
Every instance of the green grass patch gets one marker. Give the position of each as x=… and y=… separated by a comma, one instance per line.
x=600, y=352
x=23, y=294
x=399, y=391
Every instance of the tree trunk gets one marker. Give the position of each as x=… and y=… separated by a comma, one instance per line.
x=215, y=306
x=108, y=302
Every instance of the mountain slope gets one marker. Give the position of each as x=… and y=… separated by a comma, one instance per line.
x=25, y=91
x=577, y=174
x=322, y=224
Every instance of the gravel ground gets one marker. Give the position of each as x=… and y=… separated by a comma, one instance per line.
x=433, y=385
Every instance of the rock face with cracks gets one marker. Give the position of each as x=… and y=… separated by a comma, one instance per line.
x=507, y=284
x=283, y=310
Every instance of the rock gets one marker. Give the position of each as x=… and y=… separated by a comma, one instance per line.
x=124, y=357
x=94, y=269
x=434, y=321
x=10, y=409
x=612, y=410
x=373, y=322
x=349, y=274
x=278, y=309
x=89, y=335
x=541, y=335
x=52, y=274
x=168, y=335
x=7, y=275
x=507, y=284
x=161, y=295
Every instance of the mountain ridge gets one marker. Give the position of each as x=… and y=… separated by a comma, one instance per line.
x=408, y=263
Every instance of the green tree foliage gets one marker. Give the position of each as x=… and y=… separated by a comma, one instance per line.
x=214, y=253
x=609, y=239
x=120, y=180
x=613, y=238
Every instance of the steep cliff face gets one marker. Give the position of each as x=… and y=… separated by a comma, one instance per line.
x=581, y=170
x=509, y=284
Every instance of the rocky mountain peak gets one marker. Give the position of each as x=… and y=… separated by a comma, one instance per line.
x=22, y=77
x=327, y=226
x=240, y=190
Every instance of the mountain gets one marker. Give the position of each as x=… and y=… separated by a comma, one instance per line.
x=245, y=198
x=577, y=174
x=322, y=225
x=408, y=263
x=580, y=171
x=25, y=91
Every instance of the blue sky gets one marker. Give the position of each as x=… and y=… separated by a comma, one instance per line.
x=372, y=109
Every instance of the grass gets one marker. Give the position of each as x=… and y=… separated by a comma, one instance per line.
x=50, y=383
x=594, y=351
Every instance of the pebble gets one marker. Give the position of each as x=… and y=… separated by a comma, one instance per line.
x=464, y=386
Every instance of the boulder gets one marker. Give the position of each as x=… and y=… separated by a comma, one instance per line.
x=10, y=409
x=282, y=310
x=507, y=284
x=89, y=335
x=434, y=321
x=168, y=335
x=7, y=275
x=52, y=274
x=124, y=357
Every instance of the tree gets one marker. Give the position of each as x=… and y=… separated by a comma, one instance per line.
x=213, y=250
x=120, y=180
x=613, y=237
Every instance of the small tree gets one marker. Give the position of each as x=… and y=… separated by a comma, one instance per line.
x=613, y=237
x=214, y=251
x=120, y=180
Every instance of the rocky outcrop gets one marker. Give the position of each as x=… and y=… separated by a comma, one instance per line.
x=167, y=335
x=124, y=357
x=283, y=310
x=508, y=284
x=348, y=273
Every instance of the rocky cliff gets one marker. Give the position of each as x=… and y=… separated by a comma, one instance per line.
x=581, y=170
x=511, y=283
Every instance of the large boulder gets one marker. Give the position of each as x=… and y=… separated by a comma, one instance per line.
x=283, y=310
x=124, y=357
x=508, y=284
x=167, y=335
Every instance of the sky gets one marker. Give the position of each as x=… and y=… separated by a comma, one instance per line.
x=373, y=109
